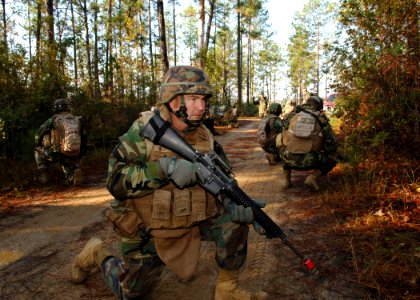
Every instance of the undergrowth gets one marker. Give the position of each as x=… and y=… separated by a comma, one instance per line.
x=377, y=206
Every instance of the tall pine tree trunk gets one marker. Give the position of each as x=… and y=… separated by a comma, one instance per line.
x=73, y=25
x=174, y=28
x=3, y=4
x=109, y=65
x=96, y=86
x=149, y=22
x=239, y=53
x=200, y=34
x=162, y=36
x=87, y=45
x=50, y=22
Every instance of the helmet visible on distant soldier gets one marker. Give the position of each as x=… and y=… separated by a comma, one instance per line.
x=61, y=105
x=275, y=109
x=316, y=102
x=184, y=80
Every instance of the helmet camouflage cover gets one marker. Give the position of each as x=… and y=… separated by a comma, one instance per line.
x=61, y=105
x=184, y=80
x=317, y=101
x=275, y=108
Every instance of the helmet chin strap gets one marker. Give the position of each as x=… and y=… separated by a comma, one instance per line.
x=182, y=114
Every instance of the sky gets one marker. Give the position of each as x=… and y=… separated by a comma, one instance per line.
x=281, y=15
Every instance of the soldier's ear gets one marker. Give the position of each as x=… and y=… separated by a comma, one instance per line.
x=175, y=104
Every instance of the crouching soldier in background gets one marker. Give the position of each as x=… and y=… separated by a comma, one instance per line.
x=307, y=143
x=161, y=211
x=268, y=129
x=61, y=139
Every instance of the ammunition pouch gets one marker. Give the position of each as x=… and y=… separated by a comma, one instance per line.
x=123, y=218
x=175, y=208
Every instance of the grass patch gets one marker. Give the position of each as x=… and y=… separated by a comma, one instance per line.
x=377, y=206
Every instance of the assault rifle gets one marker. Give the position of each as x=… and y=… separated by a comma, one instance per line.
x=218, y=177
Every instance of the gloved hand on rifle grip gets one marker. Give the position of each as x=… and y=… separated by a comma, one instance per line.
x=182, y=172
x=239, y=213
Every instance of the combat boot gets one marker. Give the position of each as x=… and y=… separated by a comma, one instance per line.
x=91, y=256
x=311, y=180
x=42, y=177
x=285, y=180
x=227, y=288
x=77, y=177
x=271, y=158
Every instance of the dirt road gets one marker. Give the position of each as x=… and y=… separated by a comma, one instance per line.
x=40, y=238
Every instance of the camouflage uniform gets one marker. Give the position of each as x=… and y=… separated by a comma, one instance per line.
x=275, y=126
x=46, y=153
x=323, y=160
x=135, y=177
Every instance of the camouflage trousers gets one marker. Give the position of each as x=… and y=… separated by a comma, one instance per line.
x=134, y=274
x=48, y=156
x=309, y=161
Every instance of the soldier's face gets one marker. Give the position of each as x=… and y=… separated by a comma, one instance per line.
x=195, y=108
x=195, y=105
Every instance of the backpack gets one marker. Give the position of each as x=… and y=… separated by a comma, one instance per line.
x=66, y=134
x=304, y=132
x=263, y=134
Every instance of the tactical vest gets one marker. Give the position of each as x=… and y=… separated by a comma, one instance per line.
x=300, y=144
x=170, y=207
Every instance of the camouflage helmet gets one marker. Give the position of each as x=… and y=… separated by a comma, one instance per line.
x=316, y=102
x=184, y=80
x=275, y=109
x=61, y=105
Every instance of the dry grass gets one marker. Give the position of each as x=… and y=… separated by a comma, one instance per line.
x=377, y=206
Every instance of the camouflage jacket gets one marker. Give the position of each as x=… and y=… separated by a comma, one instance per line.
x=130, y=173
x=274, y=126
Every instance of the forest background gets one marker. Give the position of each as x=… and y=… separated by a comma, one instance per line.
x=108, y=56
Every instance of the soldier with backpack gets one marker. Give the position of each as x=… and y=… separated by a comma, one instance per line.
x=62, y=139
x=268, y=129
x=307, y=143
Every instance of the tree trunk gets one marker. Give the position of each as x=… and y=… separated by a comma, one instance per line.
x=73, y=25
x=200, y=34
x=162, y=36
x=29, y=32
x=174, y=28
x=317, y=59
x=3, y=3
x=97, y=89
x=50, y=21
x=38, y=36
x=109, y=57
x=248, y=68
x=87, y=44
x=152, y=65
x=208, y=30
x=239, y=54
